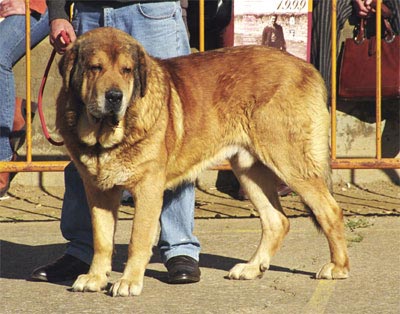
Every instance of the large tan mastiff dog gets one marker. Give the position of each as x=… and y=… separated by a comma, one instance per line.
x=134, y=122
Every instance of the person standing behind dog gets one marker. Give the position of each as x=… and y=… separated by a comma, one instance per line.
x=12, y=48
x=159, y=27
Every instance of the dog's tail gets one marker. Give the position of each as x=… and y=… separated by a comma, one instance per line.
x=318, y=142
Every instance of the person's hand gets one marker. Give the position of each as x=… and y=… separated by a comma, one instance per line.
x=12, y=7
x=363, y=8
x=370, y=5
x=56, y=40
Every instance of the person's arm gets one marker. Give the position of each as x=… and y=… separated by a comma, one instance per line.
x=58, y=9
x=59, y=22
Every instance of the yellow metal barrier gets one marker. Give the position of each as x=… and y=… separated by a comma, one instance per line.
x=337, y=163
x=201, y=26
x=360, y=163
x=28, y=83
x=29, y=165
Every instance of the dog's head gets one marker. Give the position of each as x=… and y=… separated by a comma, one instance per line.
x=105, y=69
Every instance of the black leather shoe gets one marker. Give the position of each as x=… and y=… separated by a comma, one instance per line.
x=183, y=269
x=65, y=268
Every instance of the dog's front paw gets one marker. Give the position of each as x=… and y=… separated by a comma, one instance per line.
x=90, y=283
x=246, y=271
x=125, y=287
x=331, y=271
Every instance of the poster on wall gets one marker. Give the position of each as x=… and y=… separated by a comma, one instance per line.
x=283, y=24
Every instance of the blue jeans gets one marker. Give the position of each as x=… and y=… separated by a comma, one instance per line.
x=159, y=27
x=12, y=48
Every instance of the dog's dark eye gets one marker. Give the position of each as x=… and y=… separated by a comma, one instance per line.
x=96, y=68
x=126, y=70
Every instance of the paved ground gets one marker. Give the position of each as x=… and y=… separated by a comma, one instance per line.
x=32, y=203
x=30, y=236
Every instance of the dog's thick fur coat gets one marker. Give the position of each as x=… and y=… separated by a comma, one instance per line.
x=134, y=122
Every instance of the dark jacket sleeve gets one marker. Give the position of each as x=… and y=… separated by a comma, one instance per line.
x=58, y=9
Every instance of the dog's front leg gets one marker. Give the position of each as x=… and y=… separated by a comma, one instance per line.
x=104, y=206
x=148, y=202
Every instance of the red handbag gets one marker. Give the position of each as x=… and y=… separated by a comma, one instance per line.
x=357, y=76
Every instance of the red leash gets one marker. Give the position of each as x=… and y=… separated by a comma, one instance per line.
x=40, y=96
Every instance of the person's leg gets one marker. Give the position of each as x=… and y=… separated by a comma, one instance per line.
x=176, y=236
x=12, y=48
x=76, y=225
x=159, y=27
x=12, y=36
x=162, y=32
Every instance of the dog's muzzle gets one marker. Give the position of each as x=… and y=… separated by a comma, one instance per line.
x=110, y=111
x=113, y=103
x=113, y=100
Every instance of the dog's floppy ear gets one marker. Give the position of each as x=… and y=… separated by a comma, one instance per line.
x=140, y=59
x=67, y=65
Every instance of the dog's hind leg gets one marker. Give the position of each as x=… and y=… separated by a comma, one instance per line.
x=259, y=184
x=329, y=218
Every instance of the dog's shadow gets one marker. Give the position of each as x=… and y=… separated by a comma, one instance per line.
x=224, y=263
x=18, y=260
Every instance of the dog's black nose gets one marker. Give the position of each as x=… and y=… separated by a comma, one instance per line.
x=114, y=98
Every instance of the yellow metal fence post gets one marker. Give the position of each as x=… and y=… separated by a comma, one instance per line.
x=378, y=80
x=28, y=83
x=201, y=26
x=333, y=80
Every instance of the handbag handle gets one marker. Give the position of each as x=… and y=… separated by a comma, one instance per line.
x=359, y=39
x=389, y=33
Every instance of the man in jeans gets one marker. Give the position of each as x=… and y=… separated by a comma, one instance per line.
x=159, y=27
